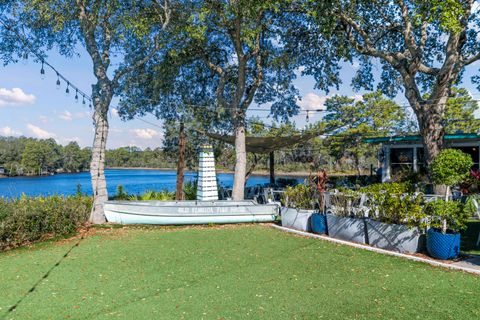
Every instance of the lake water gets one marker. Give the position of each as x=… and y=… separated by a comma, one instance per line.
x=134, y=181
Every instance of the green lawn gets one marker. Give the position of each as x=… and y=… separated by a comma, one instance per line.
x=242, y=272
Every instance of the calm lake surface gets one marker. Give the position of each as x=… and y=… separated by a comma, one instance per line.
x=133, y=180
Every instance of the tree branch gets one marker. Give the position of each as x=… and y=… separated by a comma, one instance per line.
x=166, y=19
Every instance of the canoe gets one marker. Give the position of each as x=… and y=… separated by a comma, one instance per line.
x=189, y=212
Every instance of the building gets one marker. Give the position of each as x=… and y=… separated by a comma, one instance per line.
x=3, y=171
x=406, y=153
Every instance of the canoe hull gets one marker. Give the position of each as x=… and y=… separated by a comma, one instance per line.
x=188, y=212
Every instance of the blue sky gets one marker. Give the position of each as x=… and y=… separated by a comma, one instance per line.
x=34, y=107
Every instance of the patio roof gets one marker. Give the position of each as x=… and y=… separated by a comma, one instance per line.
x=418, y=138
x=265, y=144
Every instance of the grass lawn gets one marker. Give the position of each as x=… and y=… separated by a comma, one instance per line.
x=235, y=272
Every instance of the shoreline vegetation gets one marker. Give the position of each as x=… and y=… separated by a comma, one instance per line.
x=279, y=173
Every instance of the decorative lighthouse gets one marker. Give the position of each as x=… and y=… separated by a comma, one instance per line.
x=207, y=178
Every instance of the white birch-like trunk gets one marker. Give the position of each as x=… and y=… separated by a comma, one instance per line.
x=238, y=192
x=97, y=167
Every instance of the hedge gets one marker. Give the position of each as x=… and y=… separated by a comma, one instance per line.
x=26, y=219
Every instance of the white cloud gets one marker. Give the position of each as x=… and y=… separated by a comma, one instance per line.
x=114, y=112
x=66, y=115
x=67, y=140
x=39, y=132
x=44, y=119
x=357, y=97
x=312, y=101
x=8, y=132
x=81, y=115
x=15, y=96
x=145, y=133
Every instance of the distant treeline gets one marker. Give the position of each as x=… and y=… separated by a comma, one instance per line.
x=29, y=156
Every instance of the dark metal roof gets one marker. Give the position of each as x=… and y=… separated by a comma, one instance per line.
x=418, y=138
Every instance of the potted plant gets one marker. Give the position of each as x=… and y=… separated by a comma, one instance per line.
x=318, y=220
x=443, y=236
x=396, y=218
x=346, y=216
x=299, y=206
x=448, y=217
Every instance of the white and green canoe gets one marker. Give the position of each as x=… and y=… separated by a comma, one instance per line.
x=189, y=212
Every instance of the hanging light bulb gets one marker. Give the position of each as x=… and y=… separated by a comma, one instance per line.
x=307, y=118
x=67, y=91
x=83, y=99
x=76, y=95
x=58, y=81
x=25, y=58
x=42, y=72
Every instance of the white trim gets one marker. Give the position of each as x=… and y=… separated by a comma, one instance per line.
x=382, y=251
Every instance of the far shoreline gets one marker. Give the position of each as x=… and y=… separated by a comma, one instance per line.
x=278, y=174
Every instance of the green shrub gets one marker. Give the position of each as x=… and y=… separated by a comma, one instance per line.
x=26, y=220
x=163, y=195
x=451, y=167
x=190, y=190
x=300, y=196
x=394, y=203
x=452, y=215
x=121, y=194
x=392, y=187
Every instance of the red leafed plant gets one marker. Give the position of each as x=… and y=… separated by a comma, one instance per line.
x=475, y=174
x=473, y=179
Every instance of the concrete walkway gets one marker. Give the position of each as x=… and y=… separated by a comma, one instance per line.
x=470, y=265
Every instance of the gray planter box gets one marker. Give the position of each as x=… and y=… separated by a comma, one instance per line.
x=395, y=237
x=345, y=228
x=296, y=218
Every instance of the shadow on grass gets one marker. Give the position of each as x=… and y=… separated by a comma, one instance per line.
x=45, y=276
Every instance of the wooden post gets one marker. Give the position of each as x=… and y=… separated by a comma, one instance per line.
x=272, y=167
x=181, y=162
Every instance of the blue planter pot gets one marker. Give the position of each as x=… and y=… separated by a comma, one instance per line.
x=443, y=246
x=318, y=223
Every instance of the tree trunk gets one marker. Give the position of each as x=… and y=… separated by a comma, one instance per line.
x=238, y=192
x=180, y=163
x=432, y=131
x=97, y=166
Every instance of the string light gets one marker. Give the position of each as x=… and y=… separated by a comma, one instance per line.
x=67, y=91
x=42, y=72
x=83, y=99
x=25, y=58
x=58, y=81
x=307, y=119
x=76, y=96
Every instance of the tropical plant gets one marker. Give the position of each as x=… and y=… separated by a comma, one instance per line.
x=300, y=196
x=190, y=190
x=121, y=194
x=395, y=203
x=163, y=195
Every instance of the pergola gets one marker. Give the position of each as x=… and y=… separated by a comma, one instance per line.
x=266, y=145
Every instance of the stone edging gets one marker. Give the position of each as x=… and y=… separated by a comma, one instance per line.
x=382, y=251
